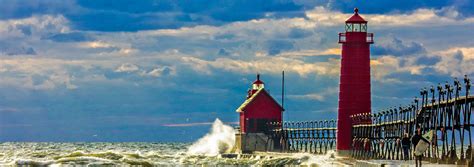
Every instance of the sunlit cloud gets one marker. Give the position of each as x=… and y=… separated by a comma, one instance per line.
x=273, y=65
x=127, y=67
x=320, y=96
x=457, y=61
x=96, y=44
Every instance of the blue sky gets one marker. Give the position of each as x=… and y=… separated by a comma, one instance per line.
x=162, y=70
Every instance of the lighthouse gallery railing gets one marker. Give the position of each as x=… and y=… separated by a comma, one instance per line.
x=369, y=38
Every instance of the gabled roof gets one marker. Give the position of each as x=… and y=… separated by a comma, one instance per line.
x=251, y=99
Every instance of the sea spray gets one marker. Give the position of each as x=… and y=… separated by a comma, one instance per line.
x=219, y=140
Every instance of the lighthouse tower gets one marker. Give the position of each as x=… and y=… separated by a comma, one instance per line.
x=354, y=84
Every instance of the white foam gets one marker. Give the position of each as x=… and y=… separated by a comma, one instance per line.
x=219, y=140
x=329, y=159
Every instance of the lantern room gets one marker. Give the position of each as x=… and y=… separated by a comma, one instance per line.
x=356, y=30
x=356, y=23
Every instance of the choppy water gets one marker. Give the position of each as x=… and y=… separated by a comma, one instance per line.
x=206, y=151
x=143, y=154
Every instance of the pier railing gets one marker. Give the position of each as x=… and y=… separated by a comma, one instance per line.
x=445, y=109
x=307, y=136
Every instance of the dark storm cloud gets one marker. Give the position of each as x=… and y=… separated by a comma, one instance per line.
x=131, y=15
x=126, y=15
x=277, y=46
x=397, y=47
x=427, y=60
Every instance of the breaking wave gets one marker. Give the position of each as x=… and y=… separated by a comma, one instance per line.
x=219, y=140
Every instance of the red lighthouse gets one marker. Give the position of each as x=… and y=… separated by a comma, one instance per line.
x=257, y=112
x=354, y=85
x=258, y=109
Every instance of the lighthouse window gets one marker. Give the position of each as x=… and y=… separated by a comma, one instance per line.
x=356, y=27
x=257, y=86
x=363, y=27
x=348, y=27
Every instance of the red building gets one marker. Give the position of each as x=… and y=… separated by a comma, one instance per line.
x=258, y=109
x=354, y=85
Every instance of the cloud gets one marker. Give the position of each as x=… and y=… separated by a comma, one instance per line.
x=35, y=25
x=40, y=73
x=429, y=63
x=297, y=33
x=419, y=17
x=387, y=65
x=40, y=82
x=467, y=52
x=101, y=16
x=155, y=72
x=9, y=109
x=25, y=29
x=96, y=44
x=127, y=67
x=143, y=15
x=273, y=65
x=427, y=60
x=456, y=62
x=70, y=37
x=15, y=49
x=162, y=71
x=223, y=52
x=321, y=96
x=20, y=37
x=397, y=47
x=17, y=9
x=276, y=46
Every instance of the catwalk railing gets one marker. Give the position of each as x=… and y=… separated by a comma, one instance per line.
x=445, y=109
x=308, y=136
